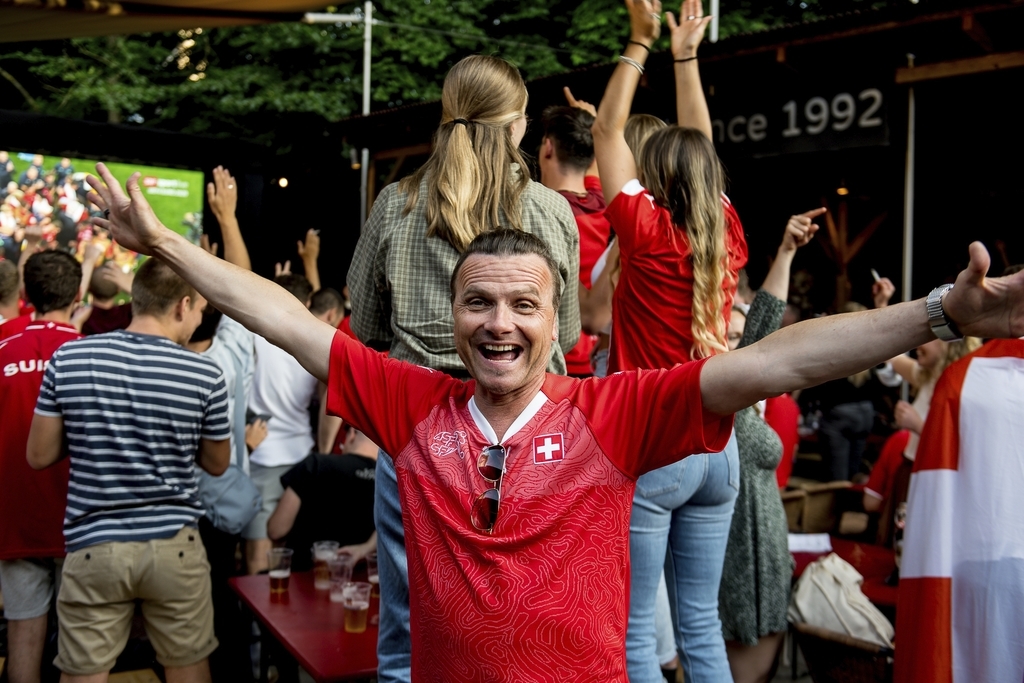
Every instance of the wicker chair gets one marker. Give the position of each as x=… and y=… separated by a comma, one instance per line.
x=838, y=658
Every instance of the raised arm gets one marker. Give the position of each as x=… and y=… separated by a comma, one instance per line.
x=614, y=160
x=309, y=252
x=590, y=109
x=258, y=304
x=687, y=32
x=815, y=351
x=222, y=194
x=799, y=231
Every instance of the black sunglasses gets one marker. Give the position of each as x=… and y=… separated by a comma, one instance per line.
x=491, y=466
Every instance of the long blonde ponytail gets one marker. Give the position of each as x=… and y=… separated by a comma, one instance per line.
x=471, y=179
x=680, y=169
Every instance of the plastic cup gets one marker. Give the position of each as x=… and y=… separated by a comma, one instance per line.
x=356, y=599
x=323, y=552
x=280, y=563
x=341, y=574
x=372, y=575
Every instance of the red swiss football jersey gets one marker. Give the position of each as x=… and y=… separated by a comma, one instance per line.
x=545, y=595
x=651, y=307
x=9, y=328
x=31, y=503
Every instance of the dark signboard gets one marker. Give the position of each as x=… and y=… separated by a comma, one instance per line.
x=784, y=124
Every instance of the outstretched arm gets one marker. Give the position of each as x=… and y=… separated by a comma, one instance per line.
x=815, y=351
x=614, y=160
x=691, y=105
x=258, y=304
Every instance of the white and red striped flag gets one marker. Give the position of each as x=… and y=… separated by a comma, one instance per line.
x=960, y=617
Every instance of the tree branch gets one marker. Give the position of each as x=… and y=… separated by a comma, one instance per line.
x=24, y=93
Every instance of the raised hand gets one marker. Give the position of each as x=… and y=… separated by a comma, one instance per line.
x=222, y=193
x=93, y=253
x=285, y=269
x=800, y=230
x=128, y=217
x=579, y=104
x=986, y=307
x=688, y=31
x=644, y=20
x=33, y=236
x=111, y=272
x=204, y=242
x=310, y=249
x=882, y=291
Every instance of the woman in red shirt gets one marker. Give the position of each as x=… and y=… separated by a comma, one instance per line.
x=681, y=246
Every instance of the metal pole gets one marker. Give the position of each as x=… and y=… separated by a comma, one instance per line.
x=714, y=21
x=364, y=167
x=908, y=211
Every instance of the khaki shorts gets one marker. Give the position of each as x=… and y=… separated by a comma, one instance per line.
x=100, y=585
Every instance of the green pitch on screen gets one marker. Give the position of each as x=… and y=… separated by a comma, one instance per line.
x=175, y=194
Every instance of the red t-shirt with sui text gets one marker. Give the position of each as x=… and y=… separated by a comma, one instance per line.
x=9, y=328
x=31, y=503
x=651, y=308
x=544, y=596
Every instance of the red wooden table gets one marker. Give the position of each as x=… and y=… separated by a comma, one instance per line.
x=312, y=628
x=874, y=562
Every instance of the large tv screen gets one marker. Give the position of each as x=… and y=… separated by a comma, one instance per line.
x=48, y=192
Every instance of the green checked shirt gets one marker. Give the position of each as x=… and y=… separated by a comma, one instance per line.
x=399, y=279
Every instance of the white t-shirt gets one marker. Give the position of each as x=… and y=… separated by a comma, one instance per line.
x=233, y=350
x=284, y=390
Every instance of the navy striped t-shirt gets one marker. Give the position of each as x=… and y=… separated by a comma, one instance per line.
x=134, y=408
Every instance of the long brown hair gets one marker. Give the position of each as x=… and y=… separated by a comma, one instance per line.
x=470, y=176
x=680, y=169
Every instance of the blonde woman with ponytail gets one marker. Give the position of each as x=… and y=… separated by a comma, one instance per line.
x=681, y=245
x=475, y=180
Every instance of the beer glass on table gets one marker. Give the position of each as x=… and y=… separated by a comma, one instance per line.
x=280, y=561
x=340, y=568
x=356, y=599
x=323, y=552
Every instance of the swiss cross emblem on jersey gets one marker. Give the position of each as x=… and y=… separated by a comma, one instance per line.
x=548, y=448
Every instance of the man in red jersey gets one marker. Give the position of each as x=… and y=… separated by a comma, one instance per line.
x=516, y=486
x=31, y=502
x=566, y=163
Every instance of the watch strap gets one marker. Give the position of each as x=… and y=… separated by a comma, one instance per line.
x=942, y=327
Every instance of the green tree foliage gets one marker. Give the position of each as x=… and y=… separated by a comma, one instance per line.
x=260, y=82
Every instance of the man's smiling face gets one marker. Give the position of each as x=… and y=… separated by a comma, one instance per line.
x=505, y=321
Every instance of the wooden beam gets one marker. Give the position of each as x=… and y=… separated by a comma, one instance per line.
x=976, y=32
x=960, y=67
x=858, y=31
x=415, y=150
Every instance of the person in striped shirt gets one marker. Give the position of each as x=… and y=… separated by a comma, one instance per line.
x=137, y=412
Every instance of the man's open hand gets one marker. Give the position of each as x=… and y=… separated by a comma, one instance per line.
x=130, y=220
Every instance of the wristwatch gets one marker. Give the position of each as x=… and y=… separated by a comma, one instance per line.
x=942, y=327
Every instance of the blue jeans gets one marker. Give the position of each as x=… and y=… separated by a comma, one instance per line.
x=685, y=508
x=393, y=643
